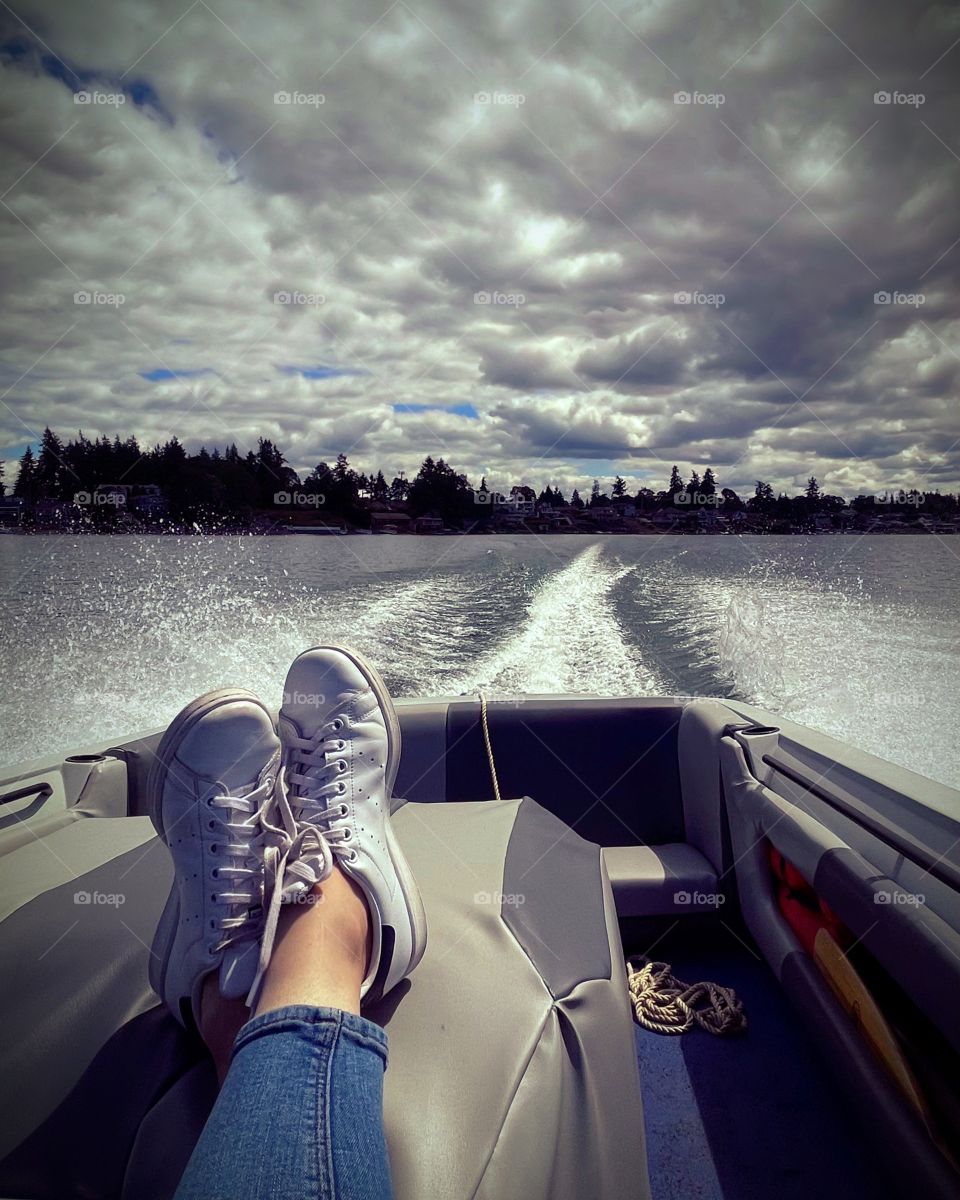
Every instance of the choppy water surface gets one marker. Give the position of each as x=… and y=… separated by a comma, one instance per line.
x=858, y=637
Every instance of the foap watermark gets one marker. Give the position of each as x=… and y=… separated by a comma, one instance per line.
x=916, y=499
x=701, y=299
x=100, y=499
x=910, y=299
x=503, y=299
x=488, y=498
x=902, y=99
x=300, y=99
x=106, y=99
x=304, y=699
x=505, y=699
x=706, y=99
x=300, y=499
x=100, y=899
x=505, y=99
x=910, y=700
x=700, y=499
x=511, y=899
x=900, y=899
x=303, y=299
x=699, y=899
x=100, y=299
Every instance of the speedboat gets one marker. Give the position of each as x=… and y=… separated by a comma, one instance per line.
x=578, y=856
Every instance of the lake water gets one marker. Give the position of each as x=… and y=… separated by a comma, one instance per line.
x=859, y=637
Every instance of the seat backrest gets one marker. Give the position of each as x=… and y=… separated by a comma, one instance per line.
x=701, y=785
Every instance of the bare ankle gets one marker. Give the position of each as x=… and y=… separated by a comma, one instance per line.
x=220, y=1022
x=321, y=951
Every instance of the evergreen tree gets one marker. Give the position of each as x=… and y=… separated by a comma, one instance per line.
x=26, y=485
x=3, y=486
x=595, y=497
x=440, y=491
x=575, y=500
x=762, y=499
x=51, y=474
x=708, y=485
x=619, y=488
x=676, y=483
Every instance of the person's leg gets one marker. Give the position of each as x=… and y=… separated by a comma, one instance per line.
x=300, y=1111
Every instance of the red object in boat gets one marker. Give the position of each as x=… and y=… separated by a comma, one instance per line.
x=800, y=906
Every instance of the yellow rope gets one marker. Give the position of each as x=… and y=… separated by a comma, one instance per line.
x=489, y=746
x=665, y=1004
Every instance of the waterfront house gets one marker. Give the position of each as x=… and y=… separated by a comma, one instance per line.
x=397, y=522
x=12, y=510
x=149, y=500
x=49, y=513
x=112, y=495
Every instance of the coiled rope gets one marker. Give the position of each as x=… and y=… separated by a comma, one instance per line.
x=665, y=1004
x=489, y=746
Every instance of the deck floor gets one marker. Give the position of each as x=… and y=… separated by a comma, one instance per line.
x=753, y=1117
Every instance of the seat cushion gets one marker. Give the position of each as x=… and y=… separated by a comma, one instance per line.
x=514, y=1042
x=511, y=1068
x=650, y=881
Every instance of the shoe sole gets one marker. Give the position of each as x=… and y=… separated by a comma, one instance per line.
x=163, y=761
x=408, y=885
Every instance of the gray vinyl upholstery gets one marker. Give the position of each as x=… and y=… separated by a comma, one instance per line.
x=74, y=963
x=701, y=725
x=512, y=1072
x=914, y=944
x=674, y=877
x=653, y=881
x=917, y=947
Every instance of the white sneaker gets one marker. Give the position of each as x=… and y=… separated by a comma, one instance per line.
x=211, y=792
x=341, y=749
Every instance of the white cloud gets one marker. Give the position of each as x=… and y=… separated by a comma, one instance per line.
x=385, y=188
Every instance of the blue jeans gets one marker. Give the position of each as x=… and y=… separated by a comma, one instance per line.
x=300, y=1114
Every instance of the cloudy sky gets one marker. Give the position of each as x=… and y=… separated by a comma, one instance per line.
x=546, y=240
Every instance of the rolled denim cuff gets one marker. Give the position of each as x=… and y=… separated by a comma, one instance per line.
x=321, y=1026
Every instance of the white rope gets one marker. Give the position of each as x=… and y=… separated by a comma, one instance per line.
x=665, y=1004
x=487, y=743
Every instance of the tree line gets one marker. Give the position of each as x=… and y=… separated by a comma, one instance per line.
x=220, y=486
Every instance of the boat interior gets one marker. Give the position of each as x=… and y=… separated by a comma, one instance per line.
x=554, y=839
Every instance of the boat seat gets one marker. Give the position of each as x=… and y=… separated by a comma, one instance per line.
x=652, y=881
x=511, y=1076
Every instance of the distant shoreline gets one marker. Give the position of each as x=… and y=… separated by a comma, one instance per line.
x=324, y=536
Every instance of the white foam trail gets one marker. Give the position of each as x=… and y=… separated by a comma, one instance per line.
x=568, y=639
x=120, y=667
x=864, y=672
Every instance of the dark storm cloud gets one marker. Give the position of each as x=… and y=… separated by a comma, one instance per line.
x=665, y=281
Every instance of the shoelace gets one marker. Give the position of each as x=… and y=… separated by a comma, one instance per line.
x=238, y=879
x=301, y=847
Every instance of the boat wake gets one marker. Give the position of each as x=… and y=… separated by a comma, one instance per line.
x=566, y=638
